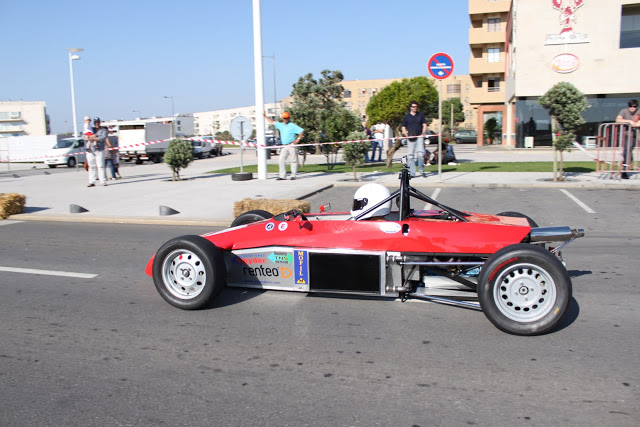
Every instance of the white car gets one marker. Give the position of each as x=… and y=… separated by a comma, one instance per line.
x=68, y=151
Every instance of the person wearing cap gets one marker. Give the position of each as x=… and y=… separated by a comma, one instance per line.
x=95, y=153
x=290, y=135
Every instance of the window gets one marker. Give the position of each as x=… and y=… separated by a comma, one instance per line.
x=347, y=93
x=630, y=26
x=493, y=84
x=453, y=88
x=494, y=25
x=493, y=54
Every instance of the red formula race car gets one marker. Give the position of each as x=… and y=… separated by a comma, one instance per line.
x=382, y=247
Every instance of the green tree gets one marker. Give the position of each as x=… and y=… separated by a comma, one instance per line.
x=319, y=110
x=565, y=104
x=224, y=136
x=490, y=128
x=392, y=103
x=458, y=113
x=178, y=156
x=354, y=152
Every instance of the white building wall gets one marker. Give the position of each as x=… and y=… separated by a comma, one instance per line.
x=21, y=118
x=604, y=67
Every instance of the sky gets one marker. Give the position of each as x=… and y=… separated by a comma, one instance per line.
x=200, y=52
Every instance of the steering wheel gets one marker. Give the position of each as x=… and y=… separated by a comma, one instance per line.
x=294, y=213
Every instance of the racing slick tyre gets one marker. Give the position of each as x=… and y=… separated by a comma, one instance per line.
x=189, y=272
x=251, y=216
x=532, y=223
x=524, y=290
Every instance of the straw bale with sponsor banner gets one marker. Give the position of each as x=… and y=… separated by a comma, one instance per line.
x=274, y=206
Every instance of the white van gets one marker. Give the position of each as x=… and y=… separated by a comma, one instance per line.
x=68, y=151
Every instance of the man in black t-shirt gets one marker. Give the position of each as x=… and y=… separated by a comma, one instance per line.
x=415, y=124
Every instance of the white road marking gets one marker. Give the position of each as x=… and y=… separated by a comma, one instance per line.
x=9, y=222
x=578, y=201
x=434, y=196
x=49, y=272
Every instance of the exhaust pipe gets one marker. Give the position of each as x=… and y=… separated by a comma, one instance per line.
x=555, y=234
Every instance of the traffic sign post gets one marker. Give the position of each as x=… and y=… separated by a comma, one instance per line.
x=440, y=67
x=241, y=129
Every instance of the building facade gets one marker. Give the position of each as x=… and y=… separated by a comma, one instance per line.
x=487, y=37
x=592, y=44
x=23, y=118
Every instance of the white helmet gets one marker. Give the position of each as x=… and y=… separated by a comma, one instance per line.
x=368, y=196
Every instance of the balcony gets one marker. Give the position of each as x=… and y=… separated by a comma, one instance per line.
x=481, y=66
x=485, y=95
x=480, y=7
x=480, y=36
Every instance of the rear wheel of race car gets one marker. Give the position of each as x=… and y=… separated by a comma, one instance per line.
x=189, y=272
x=524, y=290
x=532, y=223
x=251, y=216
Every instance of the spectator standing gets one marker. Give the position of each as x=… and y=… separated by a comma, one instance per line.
x=378, y=141
x=630, y=116
x=95, y=154
x=414, y=127
x=290, y=135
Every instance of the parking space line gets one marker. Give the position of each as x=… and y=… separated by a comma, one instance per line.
x=434, y=196
x=49, y=272
x=578, y=201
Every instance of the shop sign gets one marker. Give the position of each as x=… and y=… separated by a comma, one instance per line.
x=565, y=63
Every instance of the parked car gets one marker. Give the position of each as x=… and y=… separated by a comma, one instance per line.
x=68, y=151
x=216, y=146
x=466, y=136
x=201, y=148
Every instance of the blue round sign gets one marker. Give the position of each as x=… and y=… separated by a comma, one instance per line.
x=440, y=66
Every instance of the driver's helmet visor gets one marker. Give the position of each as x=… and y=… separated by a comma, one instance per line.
x=359, y=203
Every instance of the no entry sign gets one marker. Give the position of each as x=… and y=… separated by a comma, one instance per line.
x=440, y=66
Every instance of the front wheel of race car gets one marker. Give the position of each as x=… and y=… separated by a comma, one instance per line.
x=524, y=290
x=189, y=272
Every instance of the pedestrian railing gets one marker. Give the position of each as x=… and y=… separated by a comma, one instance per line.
x=617, y=149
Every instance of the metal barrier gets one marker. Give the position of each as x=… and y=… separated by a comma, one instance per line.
x=617, y=149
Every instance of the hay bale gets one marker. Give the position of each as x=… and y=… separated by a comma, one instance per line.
x=11, y=204
x=274, y=206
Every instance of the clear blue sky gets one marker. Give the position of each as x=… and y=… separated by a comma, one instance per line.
x=201, y=52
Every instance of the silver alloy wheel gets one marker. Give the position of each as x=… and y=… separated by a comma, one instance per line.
x=525, y=293
x=183, y=274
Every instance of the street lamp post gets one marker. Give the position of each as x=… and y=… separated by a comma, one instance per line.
x=72, y=51
x=275, y=106
x=173, y=118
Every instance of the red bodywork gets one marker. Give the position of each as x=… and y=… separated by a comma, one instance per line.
x=483, y=234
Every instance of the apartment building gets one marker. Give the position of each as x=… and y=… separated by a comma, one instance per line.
x=592, y=44
x=23, y=118
x=487, y=37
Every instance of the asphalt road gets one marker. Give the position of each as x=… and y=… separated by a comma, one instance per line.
x=107, y=350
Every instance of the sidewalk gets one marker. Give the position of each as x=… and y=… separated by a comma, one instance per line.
x=207, y=199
